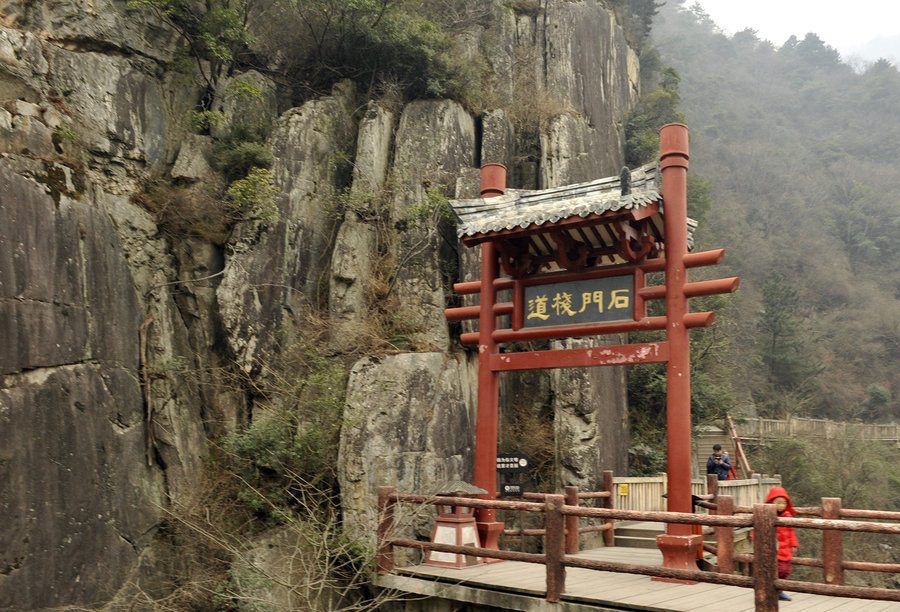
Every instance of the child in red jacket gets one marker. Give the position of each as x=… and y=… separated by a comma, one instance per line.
x=787, y=539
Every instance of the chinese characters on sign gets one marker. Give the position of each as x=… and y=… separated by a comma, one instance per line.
x=587, y=301
x=512, y=462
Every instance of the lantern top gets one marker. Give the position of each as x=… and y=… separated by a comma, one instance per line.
x=458, y=488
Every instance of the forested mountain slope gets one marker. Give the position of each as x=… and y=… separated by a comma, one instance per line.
x=800, y=153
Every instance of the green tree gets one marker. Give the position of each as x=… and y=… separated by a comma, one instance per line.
x=254, y=196
x=309, y=45
x=215, y=31
x=712, y=396
x=637, y=18
x=653, y=111
x=789, y=365
x=699, y=197
x=813, y=50
x=383, y=45
x=878, y=402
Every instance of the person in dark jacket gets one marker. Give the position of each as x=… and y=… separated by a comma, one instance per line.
x=718, y=463
x=787, y=538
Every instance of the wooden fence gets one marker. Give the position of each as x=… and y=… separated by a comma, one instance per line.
x=557, y=555
x=647, y=493
x=763, y=429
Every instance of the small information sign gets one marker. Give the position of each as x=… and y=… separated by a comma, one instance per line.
x=512, y=462
x=511, y=490
x=595, y=300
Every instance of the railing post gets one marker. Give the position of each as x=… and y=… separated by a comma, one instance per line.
x=712, y=486
x=385, y=557
x=554, y=547
x=832, y=543
x=765, y=552
x=571, y=522
x=609, y=536
x=725, y=536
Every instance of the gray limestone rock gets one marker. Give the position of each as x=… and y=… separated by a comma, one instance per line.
x=79, y=504
x=172, y=395
x=498, y=138
x=589, y=68
x=117, y=108
x=355, y=248
x=409, y=424
x=22, y=65
x=273, y=273
x=192, y=163
x=57, y=313
x=77, y=490
x=571, y=146
x=373, y=149
x=248, y=101
x=92, y=24
x=435, y=144
x=26, y=135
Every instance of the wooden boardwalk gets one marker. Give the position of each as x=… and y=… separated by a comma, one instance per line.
x=514, y=585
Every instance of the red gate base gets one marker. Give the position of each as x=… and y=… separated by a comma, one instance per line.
x=679, y=552
x=489, y=532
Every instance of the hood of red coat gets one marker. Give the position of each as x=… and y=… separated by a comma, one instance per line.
x=781, y=492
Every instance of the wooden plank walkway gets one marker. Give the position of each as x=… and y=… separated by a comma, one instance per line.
x=515, y=585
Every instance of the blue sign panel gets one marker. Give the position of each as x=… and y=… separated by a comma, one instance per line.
x=586, y=301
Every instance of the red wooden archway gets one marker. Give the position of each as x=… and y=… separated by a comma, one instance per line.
x=589, y=237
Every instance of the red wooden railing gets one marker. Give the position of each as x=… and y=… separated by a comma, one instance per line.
x=832, y=526
x=573, y=529
x=560, y=523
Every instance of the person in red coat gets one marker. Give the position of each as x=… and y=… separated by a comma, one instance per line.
x=787, y=539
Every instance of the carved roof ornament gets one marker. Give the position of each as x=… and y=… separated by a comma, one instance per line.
x=611, y=220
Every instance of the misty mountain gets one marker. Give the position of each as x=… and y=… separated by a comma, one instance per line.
x=799, y=151
x=886, y=47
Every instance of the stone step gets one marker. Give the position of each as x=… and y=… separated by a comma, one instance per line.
x=635, y=541
x=638, y=529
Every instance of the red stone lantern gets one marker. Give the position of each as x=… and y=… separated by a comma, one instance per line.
x=455, y=524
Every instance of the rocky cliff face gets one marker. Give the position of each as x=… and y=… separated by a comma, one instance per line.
x=115, y=335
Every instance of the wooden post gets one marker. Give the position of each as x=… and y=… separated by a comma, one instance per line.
x=555, y=547
x=486, y=425
x=725, y=535
x=765, y=554
x=678, y=545
x=385, y=556
x=712, y=485
x=832, y=543
x=673, y=139
x=609, y=536
x=571, y=522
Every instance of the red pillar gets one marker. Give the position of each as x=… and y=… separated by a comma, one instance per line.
x=493, y=183
x=678, y=546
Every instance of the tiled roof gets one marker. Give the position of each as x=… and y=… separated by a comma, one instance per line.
x=521, y=208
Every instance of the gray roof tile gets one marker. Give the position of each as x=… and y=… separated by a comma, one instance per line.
x=521, y=208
